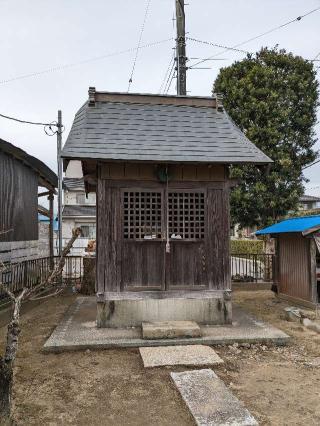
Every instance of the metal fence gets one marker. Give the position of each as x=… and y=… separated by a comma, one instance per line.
x=31, y=272
x=252, y=267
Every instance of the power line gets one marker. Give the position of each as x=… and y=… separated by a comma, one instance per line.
x=261, y=35
x=170, y=78
x=166, y=73
x=139, y=42
x=85, y=61
x=310, y=165
x=47, y=127
x=174, y=75
x=317, y=55
x=216, y=45
x=27, y=122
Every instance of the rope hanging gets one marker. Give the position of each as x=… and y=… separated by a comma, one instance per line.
x=167, y=203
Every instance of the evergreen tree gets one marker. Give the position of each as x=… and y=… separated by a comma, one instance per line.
x=272, y=96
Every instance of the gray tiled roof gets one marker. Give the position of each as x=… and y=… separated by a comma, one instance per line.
x=112, y=130
x=74, y=210
x=73, y=184
x=306, y=198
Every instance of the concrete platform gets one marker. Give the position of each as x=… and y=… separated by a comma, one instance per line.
x=210, y=401
x=170, y=329
x=77, y=331
x=179, y=355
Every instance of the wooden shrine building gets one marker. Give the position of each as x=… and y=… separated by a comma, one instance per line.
x=160, y=167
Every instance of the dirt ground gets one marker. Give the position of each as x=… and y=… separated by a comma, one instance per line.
x=280, y=386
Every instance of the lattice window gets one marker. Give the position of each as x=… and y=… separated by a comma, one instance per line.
x=186, y=215
x=142, y=215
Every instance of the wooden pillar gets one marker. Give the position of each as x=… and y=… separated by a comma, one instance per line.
x=51, y=218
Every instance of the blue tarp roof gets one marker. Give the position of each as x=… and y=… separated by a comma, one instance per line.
x=296, y=224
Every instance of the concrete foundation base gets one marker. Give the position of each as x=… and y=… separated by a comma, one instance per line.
x=78, y=331
x=118, y=310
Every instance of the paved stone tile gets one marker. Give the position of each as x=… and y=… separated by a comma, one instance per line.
x=170, y=329
x=179, y=355
x=209, y=400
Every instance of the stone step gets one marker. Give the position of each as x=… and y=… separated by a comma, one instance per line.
x=179, y=355
x=210, y=401
x=170, y=329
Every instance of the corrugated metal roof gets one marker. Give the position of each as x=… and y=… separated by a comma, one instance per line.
x=296, y=224
x=74, y=210
x=130, y=131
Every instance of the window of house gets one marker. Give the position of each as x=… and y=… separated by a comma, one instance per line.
x=142, y=213
x=81, y=198
x=88, y=230
x=186, y=215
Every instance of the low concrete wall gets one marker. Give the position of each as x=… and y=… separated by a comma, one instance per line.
x=212, y=308
x=251, y=286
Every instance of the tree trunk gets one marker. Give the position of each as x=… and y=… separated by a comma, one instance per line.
x=6, y=363
x=6, y=381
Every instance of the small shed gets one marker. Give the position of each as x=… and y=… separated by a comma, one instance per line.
x=298, y=259
x=20, y=177
x=160, y=166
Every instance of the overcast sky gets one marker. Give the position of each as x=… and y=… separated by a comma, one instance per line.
x=37, y=35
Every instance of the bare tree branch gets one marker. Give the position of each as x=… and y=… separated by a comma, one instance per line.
x=7, y=361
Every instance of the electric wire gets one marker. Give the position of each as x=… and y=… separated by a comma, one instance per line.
x=173, y=76
x=310, y=165
x=216, y=45
x=47, y=127
x=260, y=35
x=85, y=61
x=139, y=43
x=166, y=73
x=27, y=122
x=170, y=78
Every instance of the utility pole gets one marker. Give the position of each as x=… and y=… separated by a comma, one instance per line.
x=59, y=146
x=181, y=58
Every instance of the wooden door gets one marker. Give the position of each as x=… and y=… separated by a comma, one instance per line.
x=143, y=246
x=186, y=262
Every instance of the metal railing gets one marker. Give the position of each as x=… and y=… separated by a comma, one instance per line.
x=29, y=273
x=252, y=267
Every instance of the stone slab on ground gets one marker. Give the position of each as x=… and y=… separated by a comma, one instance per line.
x=179, y=355
x=77, y=331
x=170, y=329
x=210, y=401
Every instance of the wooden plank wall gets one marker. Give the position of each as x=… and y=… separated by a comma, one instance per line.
x=209, y=259
x=18, y=200
x=294, y=266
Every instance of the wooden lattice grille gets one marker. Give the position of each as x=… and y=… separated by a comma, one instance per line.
x=186, y=215
x=142, y=215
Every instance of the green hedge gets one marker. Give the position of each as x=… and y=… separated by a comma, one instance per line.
x=247, y=246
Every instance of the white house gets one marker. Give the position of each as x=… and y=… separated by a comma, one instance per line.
x=78, y=209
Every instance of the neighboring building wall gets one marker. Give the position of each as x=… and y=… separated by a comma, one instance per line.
x=74, y=169
x=75, y=196
x=79, y=198
x=44, y=239
x=18, y=200
x=18, y=251
x=294, y=266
